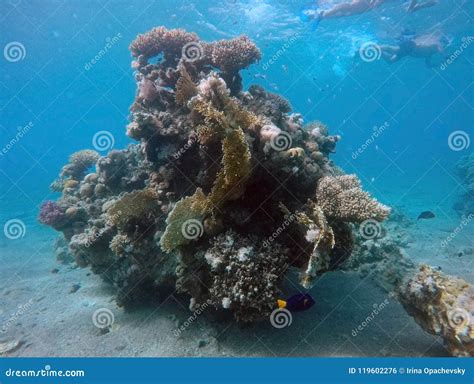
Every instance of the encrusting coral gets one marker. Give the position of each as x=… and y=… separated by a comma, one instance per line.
x=196, y=203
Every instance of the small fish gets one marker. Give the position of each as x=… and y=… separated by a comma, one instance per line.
x=426, y=215
x=297, y=303
x=260, y=76
x=274, y=86
x=310, y=101
x=285, y=68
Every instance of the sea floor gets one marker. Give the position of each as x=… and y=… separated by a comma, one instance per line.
x=47, y=308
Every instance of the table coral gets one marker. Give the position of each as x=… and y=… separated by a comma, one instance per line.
x=196, y=203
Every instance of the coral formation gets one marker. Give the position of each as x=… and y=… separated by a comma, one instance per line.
x=465, y=203
x=214, y=171
x=342, y=198
x=443, y=305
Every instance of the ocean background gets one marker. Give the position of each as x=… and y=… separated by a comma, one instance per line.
x=67, y=99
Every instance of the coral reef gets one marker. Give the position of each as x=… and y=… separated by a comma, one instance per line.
x=465, y=203
x=196, y=203
x=443, y=305
x=342, y=198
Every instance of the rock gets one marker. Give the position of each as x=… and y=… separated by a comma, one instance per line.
x=75, y=288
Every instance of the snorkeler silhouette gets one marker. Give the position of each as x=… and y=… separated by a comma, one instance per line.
x=411, y=45
x=356, y=7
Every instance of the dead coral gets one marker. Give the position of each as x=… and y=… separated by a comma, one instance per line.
x=341, y=198
x=319, y=233
x=442, y=305
x=245, y=277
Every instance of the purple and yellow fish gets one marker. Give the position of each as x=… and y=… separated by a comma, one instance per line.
x=297, y=303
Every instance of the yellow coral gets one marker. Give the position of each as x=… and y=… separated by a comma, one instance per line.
x=185, y=87
x=191, y=210
x=236, y=168
x=131, y=205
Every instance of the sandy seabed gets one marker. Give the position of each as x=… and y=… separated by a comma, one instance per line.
x=47, y=309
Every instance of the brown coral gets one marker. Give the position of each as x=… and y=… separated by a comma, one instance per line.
x=161, y=40
x=233, y=55
x=442, y=305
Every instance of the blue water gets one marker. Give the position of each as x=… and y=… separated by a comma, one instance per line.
x=319, y=73
x=67, y=100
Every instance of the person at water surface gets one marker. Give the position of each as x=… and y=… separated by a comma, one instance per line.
x=410, y=45
x=356, y=7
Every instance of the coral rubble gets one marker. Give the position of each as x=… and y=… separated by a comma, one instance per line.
x=214, y=172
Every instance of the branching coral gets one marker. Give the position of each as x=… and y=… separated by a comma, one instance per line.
x=161, y=40
x=342, y=198
x=233, y=55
